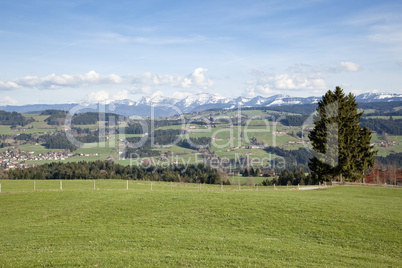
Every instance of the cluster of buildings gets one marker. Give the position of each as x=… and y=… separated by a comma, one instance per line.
x=17, y=158
x=297, y=142
x=385, y=143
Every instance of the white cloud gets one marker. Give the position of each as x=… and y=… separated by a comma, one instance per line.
x=166, y=80
x=139, y=79
x=157, y=93
x=350, y=66
x=98, y=96
x=54, y=81
x=276, y=84
x=8, y=85
x=265, y=90
x=121, y=95
x=141, y=89
x=7, y=101
x=145, y=83
x=197, y=78
x=105, y=96
x=181, y=94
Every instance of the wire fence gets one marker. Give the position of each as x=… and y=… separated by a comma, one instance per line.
x=15, y=186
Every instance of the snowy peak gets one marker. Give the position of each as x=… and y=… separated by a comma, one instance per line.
x=197, y=103
x=202, y=99
x=375, y=97
x=156, y=100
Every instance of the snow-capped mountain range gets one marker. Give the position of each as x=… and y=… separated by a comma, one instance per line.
x=161, y=106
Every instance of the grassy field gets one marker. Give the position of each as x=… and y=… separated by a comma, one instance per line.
x=332, y=227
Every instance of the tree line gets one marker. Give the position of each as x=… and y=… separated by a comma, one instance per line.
x=14, y=119
x=293, y=158
x=381, y=126
x=292, y=177
x=107, y=170
x=391, y=159
x=57, y=141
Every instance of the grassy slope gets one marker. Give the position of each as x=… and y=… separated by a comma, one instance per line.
x=342, y=226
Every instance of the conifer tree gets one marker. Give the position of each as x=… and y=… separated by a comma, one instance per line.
x=342, y=149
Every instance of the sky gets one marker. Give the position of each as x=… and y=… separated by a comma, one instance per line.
x=73, y=51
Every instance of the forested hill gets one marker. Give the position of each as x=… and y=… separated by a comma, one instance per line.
x=58, y=117
x=14, y=119
x=381, y=126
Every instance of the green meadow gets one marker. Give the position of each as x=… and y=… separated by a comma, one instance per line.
x=180, y=225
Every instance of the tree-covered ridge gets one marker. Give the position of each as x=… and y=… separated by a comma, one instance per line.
x=389, y=126
x=14, y=119
x=381, y=107
x=107, y=170
x=58, y=117
x=195, y=143
x=90, y=118
x=394, y=113
x=164, y=137
x=392, y=159
x=145, y=146
x=4, y=144
x=293, y=158
x=57, y=141
x=24, y=137
x=146, y=126
x=294, y=120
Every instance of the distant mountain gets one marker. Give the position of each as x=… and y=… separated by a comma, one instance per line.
x=378, y=97
x=160, y=106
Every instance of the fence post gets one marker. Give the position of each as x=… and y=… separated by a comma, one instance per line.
x=298, y=187
x=127, y=185
x=274, y=186
x=61, y=186
x=94, y=185
x=34, y=186
x=200, y=186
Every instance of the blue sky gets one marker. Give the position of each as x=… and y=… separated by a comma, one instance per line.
x=68, y=51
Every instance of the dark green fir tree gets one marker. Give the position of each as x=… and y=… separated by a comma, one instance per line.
x=342, y=149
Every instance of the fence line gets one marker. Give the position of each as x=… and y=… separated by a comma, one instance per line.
x=16, y=186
